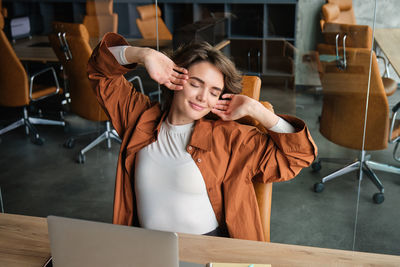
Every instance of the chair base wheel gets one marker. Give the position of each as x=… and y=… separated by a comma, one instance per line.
x=69, y=143
x=316, y=166
x=378, y=198
x=67, y=127
x=81, y=158
x=319, y=187
x=38, y=141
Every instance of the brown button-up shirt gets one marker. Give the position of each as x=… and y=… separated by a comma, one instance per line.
x=229, y=155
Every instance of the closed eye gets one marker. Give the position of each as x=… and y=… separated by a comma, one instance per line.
x=216, y=94
x=195, y=85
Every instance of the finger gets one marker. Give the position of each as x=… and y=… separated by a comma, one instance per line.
x=222, y=114
x=173, y=86
x=180, y=69
x=221, y=107
x=177, y=81
x=180, y=76
x=227, y=96
x=223, y=102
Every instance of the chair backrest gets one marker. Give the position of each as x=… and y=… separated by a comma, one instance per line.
x=338, y=11
x=99, y=18
x=14, y=90
x=147, y=23
x=251, y=88
x=3, y=11
x=83, y=100
x=345, y=95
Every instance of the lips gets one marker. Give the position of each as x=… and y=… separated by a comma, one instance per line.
x=196, y=106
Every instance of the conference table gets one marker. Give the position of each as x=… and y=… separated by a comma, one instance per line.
x=38, y=48
x=24, y=242
x=388, y=40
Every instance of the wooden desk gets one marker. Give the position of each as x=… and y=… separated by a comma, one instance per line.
x=388, y=40
x=24, y=242
x=26, y=52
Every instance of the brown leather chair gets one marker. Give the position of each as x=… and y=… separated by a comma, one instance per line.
x=338, y=16
x=147, y=23
x=251, y=88
x=19, y=90
x=70, y=42
x=99, y=18
x=338, y=11
x=3, y=11
x=343, y=111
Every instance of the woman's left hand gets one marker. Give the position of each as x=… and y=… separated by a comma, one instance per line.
x=233, y=107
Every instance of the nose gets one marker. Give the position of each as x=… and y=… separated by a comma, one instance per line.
x=201, y=95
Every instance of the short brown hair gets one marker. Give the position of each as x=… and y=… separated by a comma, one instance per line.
x=195, y=52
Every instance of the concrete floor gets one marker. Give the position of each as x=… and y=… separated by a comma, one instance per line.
x=43, y=180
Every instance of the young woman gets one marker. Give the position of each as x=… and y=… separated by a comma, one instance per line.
x=178, y=171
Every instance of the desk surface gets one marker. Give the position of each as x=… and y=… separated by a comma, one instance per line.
x=24, y=242
x=389, y=40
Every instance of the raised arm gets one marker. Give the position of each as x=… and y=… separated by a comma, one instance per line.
x=277, y=155
x=122, y=104
x=233, y=107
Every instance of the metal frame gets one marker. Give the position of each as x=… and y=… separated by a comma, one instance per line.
x=109, y=133
x=32, y=79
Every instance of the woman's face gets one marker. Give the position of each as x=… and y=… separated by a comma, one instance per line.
x=199, y=94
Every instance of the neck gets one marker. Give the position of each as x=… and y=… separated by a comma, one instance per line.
x=175, y=119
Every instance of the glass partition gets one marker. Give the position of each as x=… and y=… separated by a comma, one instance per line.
x=320, y=71
x=382, y=165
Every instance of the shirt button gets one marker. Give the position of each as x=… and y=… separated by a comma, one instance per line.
x=198, y=160
x=190, y=147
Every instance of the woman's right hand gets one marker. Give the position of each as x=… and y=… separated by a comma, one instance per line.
x=160, y=67
x=164, y=71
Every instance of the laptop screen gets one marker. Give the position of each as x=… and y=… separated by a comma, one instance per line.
x=76, y=242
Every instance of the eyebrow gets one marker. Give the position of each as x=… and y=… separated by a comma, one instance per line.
x=201, y=81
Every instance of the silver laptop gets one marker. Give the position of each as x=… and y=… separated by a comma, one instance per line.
x=76, y=242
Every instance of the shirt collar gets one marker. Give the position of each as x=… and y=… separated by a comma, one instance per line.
x=163, y=116
x=202, y=135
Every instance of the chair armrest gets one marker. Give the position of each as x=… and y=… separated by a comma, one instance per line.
x=395, y=109
x=386, y=73
x=139, y=81
x=32, y=79
x=290, y=50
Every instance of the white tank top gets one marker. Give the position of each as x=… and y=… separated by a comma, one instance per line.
x=170, y=191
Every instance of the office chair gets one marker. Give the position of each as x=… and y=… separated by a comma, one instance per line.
x=251, y=88
x=19, y=90
x=99, y=18
x=345, y=82
x=147, y=23
x=70, y=42
x=3, y=11
x=338, y=11
x=338, y=16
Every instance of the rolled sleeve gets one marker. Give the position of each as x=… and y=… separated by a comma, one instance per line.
x=281, y=156
x=114, y=93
